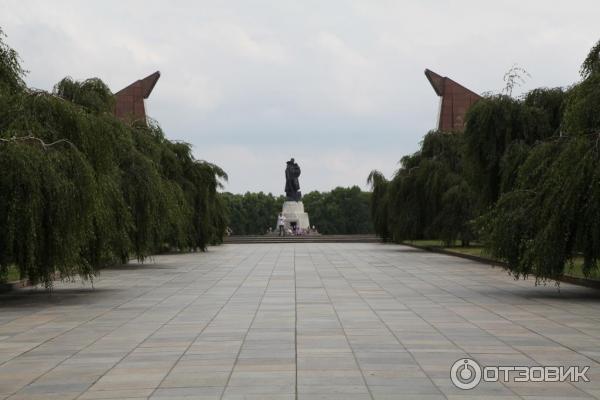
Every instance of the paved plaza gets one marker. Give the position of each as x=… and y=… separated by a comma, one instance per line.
x=286, y=321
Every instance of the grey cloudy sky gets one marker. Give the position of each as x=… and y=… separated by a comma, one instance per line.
x=338, y=85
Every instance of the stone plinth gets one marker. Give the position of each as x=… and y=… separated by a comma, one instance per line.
x=293, y=211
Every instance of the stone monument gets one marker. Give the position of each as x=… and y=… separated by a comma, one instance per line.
x=455, y=102
x=293, y=208
x=129, y=105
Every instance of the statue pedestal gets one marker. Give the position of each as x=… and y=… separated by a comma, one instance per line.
x=293, y=211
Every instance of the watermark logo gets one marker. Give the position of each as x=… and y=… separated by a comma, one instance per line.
x=466, y=373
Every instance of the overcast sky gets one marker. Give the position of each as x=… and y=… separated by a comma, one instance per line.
x=338, y=85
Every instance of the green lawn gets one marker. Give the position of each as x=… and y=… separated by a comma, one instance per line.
x=11, y=276
x=575, y=270
x=429, y=243
x=477, y=250
x=470, y=250
x=474, y=249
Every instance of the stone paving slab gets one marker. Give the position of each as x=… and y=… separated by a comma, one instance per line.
x=294, y=321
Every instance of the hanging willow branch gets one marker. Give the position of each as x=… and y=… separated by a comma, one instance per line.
x=107, y=192
x=37, y=140
x=514, y=77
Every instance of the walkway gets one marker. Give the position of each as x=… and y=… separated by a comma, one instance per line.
x=286, y=321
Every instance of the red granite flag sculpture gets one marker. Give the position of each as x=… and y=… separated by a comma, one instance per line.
x=456, y=101
x=130, y=100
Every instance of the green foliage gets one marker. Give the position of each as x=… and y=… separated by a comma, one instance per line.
x=493, y=123
x=591, y=64
x=340, y=211
x=551, y=102
x=524, y=178
x=252, y=213
x=549, y=208
x=379, y=204
x=540, y=225
x=582, y=110
x=11, y=73
x=80, y=189
x=45, y=209
x=453, y=222
x=428, y=196
x=92, y=94
x=514, y=156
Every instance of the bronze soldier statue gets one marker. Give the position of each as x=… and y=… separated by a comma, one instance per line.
x=292, y=185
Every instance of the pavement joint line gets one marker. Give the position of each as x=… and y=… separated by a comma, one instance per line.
x=541, y=303
x=458, y=315
x=295, y=328
x=253, y=317
x=416, y=314
x=463, y=318
x=208, y=323
x=390, y=314
x=515, y=283
x=516, y=323
x=153, y=332
x=92, y=319
x=362, y=374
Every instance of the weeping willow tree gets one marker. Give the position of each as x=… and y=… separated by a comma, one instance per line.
x=494, y=125
x=526, y=170
x=432, y=198
x=379, y=206
x=582, y=110
x=551, y=103
x=81, y=190
x=45, y=208
x=11, y=72
x=553, y=211
x=428, y=196
x=551, y=214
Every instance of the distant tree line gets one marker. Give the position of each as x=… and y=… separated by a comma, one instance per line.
x=340, y=211
x=252, y=213
x=79, y=189
x=523, y=178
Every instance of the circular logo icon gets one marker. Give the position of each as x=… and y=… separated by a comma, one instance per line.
x=465, y=373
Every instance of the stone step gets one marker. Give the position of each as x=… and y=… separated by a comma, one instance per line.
x=240, y=239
